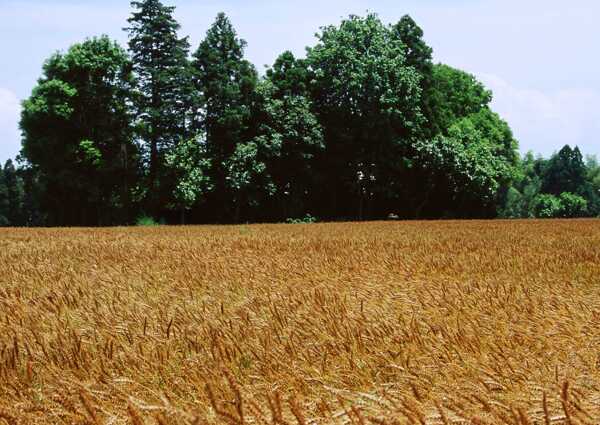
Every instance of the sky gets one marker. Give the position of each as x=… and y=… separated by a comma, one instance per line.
x=539, y=57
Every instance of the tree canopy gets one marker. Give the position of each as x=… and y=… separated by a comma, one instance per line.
x=77, y=135
x=364, y=126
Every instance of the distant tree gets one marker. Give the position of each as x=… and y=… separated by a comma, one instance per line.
x=227, y=83
x=565, y=172
x=531, y=181
x=164, y=92
x=34, y=214
x=248, y=179
x=541, y=182
x=593, y=177
x=15, y=194
x=514, y=204
x=77, y=135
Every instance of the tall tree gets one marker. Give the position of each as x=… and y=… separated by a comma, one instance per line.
x=368, y=101
x=226, y=82
x=163, y=89
x=77, y=135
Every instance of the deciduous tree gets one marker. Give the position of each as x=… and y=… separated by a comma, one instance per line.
x=77, y=135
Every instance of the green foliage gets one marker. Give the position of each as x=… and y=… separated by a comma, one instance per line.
x=566, y=205
x=417, y=53
x=77, y=134
x=467, y=169
x=367, y=99
x=307, y=219
x=4, y=201
x=227, y=82
x=289, y=75
x=573, y=205
x=163, y=95
x=90, y=154
x=360, y=73
x=566, y=177
x=419, y=56
x=564, y=172
x=593, y=193
x=13, y=209
x=288, y=137
x=366, y=126
x=189, y=164
x=547, y=206
x=453, y=95
x=513, y=204
x=145, y=220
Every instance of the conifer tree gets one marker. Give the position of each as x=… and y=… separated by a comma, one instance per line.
x=227, y=84
x=163, y=92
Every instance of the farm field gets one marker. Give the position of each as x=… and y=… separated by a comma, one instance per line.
x=483, y=322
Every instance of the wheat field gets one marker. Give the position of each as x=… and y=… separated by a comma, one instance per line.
x=372, y=323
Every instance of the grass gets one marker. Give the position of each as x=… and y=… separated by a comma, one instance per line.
x=372, y=323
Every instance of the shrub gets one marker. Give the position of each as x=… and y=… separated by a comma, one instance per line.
x=145, y=220
x=547, y=206
x=308, y=219
x=573, y=205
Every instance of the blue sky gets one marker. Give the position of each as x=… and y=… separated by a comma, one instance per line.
x=540, y=57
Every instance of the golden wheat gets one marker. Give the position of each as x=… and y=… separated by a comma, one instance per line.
x=373, y=323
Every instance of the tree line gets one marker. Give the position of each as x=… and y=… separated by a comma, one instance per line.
x=364, y=126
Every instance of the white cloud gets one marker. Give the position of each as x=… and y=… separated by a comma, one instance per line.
x=543, y=121
x=9, y=118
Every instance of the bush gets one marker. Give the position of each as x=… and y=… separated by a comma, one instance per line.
x=547, y=206
x=145, y=220
x=308, y=219
x=573, y=205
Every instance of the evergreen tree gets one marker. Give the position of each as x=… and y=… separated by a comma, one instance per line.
x=419, y=55
x=565, y=172
x=290, y=76
x=226, y=82
x=163, y=89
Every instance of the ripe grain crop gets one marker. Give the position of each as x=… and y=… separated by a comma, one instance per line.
x=372, y=323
